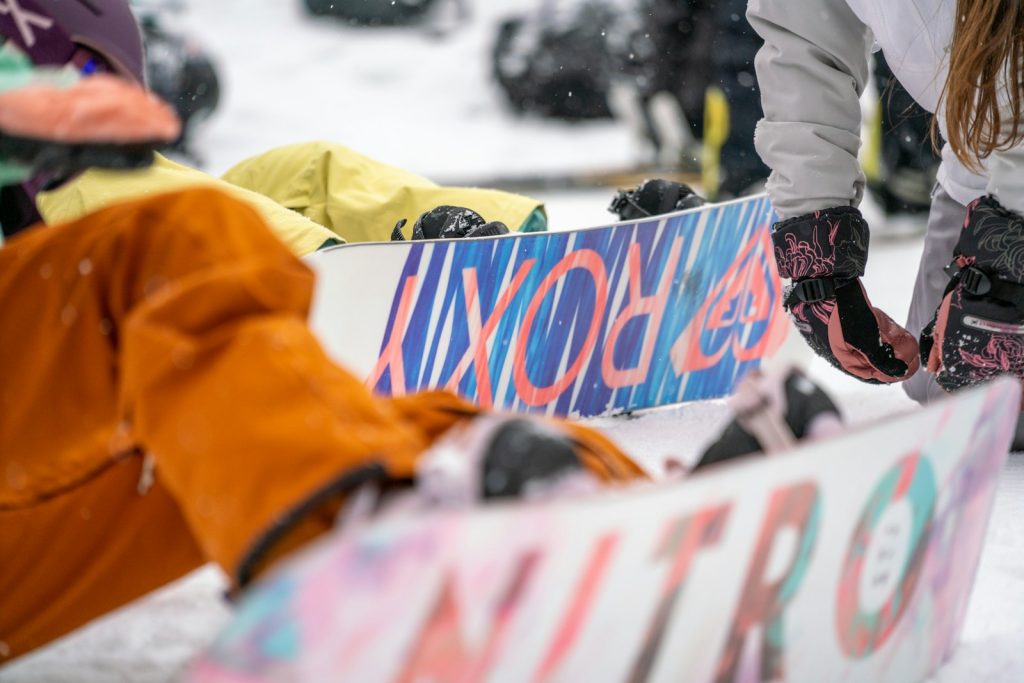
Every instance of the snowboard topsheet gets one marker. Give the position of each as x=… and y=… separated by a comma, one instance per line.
x=850, y=559
x=585, y=322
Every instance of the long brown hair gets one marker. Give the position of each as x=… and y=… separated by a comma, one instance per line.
x=985, y=57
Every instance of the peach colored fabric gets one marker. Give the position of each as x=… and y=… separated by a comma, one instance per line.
x=175, y=326
x=903, y=343
x=97, y=109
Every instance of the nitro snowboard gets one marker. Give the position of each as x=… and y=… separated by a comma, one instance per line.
x=850, y=559
x=586, y=322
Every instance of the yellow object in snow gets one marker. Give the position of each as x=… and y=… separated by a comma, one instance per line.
x=311, y=195
x=716, y=132
x=871, y=151
x=360, y=199
x=97, y=189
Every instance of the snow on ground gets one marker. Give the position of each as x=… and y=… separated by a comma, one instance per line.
x=423, y=102
x=414, y=99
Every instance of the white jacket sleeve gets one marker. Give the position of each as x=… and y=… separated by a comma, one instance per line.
x=1006, y=178
x=811, y=70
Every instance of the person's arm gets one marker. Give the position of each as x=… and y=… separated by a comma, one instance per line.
x=811, y=71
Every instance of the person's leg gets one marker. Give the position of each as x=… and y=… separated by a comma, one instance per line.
x=252, y=426
x=85, y=551
x=945, y=221
x=177, y=324
x=223, y=382
x=77, y=536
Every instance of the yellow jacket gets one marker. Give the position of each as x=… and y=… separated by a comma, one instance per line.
x=361, y=199
x=96, y=189
x=311, y=194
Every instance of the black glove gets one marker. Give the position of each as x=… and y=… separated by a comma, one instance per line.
x=978, y=331
x=825, y=253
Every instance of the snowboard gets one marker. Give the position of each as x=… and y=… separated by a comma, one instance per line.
x=849, y=559
x=580, y=323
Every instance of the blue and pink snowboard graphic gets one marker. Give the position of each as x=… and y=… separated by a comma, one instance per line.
x=592, y=321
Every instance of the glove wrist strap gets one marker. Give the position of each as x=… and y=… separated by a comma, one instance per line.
x=980, y=282
x=813, y=290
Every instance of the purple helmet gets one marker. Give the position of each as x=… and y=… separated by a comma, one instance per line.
x=94, y=35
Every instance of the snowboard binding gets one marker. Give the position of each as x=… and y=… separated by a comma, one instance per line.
x=492, y=458
x=773, y=412
x=449, y=222
x=653, y=198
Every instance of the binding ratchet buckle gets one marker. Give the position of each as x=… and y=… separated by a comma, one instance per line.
x=975, y=281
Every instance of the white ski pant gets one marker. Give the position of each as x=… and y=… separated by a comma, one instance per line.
x=945, y=221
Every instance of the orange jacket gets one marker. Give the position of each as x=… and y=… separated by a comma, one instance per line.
x=175, y=327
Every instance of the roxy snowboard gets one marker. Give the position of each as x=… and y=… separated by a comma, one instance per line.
x=586, y=322
x=850, y=559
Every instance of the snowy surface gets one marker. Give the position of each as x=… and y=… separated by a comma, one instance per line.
x=422, y=102
x=412, y=98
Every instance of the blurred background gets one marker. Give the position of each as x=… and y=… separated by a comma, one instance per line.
x=535, y=96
